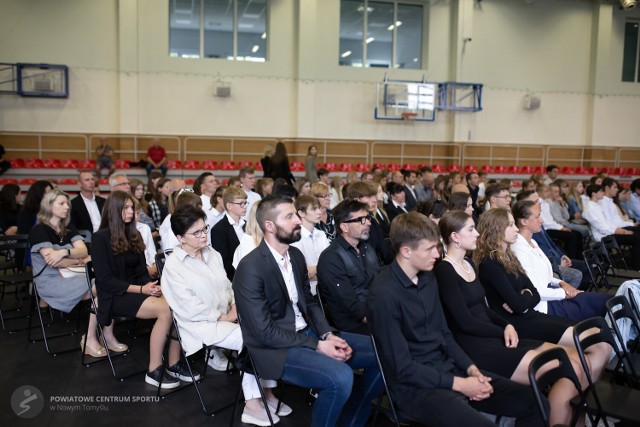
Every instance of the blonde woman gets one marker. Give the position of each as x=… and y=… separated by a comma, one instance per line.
x=327, y=223
x=250, y=239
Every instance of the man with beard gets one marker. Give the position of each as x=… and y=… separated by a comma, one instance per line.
x=347, y=268
x=286, y=332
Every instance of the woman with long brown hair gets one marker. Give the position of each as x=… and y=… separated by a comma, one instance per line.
x=280, y=164
x=125, y=288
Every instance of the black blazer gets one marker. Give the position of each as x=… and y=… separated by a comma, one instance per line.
x=268, y=320
x=225, y=240
x=392, y=211
x=80, y=215
x=111, y=277
x=410, y=202
x=378, y=242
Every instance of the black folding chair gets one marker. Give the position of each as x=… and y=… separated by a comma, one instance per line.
x=19, y=279
x=616, y=264
x=603, y=398
x=619, y=308
x=596, y=267
x=90, y=274
x=564, y=369
x=161, y=258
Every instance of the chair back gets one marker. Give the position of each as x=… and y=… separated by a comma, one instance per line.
x=161, y=258
x=541, y=382
x=614, y=253
x=18, y=243
x=596, y=271
x=618, y=308
x=584, y=341
x=384, y=381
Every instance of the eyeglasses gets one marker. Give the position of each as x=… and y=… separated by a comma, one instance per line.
x=199, y=233
x=242, y=204
x=361, y=219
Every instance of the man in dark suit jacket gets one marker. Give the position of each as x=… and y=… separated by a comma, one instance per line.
x=410, y=197
x=225, y=235
x=86, y=208
x=396, y=205
x=285, y=330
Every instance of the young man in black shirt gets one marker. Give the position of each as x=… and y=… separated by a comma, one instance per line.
x=431, y=378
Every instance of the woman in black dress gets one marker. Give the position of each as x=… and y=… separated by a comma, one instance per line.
x=9, y=208
x=124, y=286
x=280, y=165
x=487, y=337
x=511, y=294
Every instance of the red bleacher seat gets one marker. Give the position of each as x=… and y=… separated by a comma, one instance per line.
x=499, y=169
x=378, y=165
x=225, y=181
x=392, y=167
x=362, y=167
x=346, y=167
x=174, y=164
x=297, y=166
x=486, y=168
x=258, y=166
x=68, y=181
x=436, y=168
x=517, y=184
x=526, y=170
x=633, y=172
x=540, y=170
x=87, y=164
x=619, y=171
x=34, y=163
x=209, y=164
x=244, y=164
x=514, y=169
x=331, y=167
x=17, y=163
x=103, y=181
x=191, y=164
x=70, y=163
x=410, y=167
x=581, y=170
x=189, y=181
x=28, y=181
x=470, y=168
x=455, y=168
x=4, y=181
x=227, y=165
x=568, y=170
x=593, y=170
x=122, y=164
x=51, y=163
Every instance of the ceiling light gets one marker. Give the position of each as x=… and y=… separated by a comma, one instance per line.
x=361, y=9
x=398, y=23
x=628, y=4
x=255, y=48
x=391, y=27
x=345, y=54
x=370, y=39
x=263, y=36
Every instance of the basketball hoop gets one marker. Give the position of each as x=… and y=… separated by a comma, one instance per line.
x=408, y=116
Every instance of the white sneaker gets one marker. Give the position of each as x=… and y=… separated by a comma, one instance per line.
x=285, y=410
x=219, y=361
x=258, y=418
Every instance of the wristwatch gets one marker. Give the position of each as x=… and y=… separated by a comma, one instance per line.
x=68, y=253
x=323, y=337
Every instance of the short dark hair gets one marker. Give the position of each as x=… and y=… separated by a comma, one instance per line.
x=458, y=201
x=635, y=184
x=434, y=206
x=285, y=191
x=468, y=176
x=409, y=228
x=361, y=189
x=608, y=182
x=494, y=189
x=592, y=188
x=247, y=170
x=522, y=210
x=524, y=194
x=322, y=171
x=197, y=184
x=183, y=218
x=305, y=201
x=394, y=188
x=551, y=167
x=345, y=208
x=267, y=209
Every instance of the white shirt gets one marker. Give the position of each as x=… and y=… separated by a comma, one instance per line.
x=289, y=280
x=169, y=240
x=213, y=216
x=611, y=213
x=149, y=245
x=252, y=198
x=549, y=223
x=246, y=245
x=539, y=271
x=206, y=202
x=398, y=205
x=311, y=244
x=599, y=225
x=237, y=226
x=335, y=199
x=94, y=212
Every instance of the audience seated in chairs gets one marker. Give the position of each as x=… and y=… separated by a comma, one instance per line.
x=86, y=207
x=601, y=227
x=559, y=209
x=57, y=245
x=431, y=378
x=571, y=239
x=286, y=332
x=177, y=198
x=125, y=288
x=490, y=340
x=347, y=268
x=199, y=293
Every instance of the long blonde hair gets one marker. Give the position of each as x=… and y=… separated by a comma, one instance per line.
x=491, y=227
x=46, y=212
x=252, y=228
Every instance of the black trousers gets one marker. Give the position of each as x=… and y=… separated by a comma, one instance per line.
x=444, y=408
x=4, y=165
x=572, y=241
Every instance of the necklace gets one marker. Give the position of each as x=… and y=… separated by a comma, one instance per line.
x=452, y=261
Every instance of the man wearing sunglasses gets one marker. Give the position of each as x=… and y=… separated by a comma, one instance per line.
x=347, y=268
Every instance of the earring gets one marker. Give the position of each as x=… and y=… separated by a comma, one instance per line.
x=458, y=245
